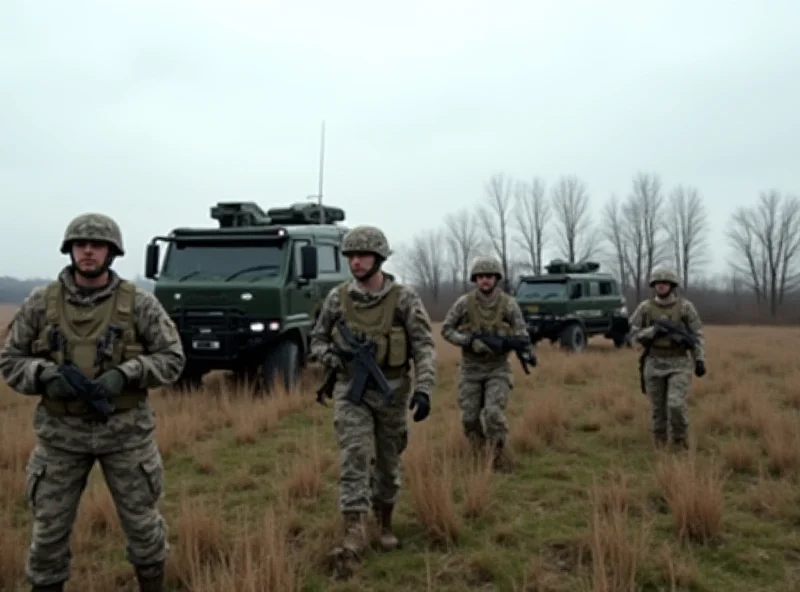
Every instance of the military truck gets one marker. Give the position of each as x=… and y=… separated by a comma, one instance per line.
x=572, y=302
x=245, y=294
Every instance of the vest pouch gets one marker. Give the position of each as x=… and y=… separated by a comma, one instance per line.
x=83, y=356
x=398, y=347
x=381, y=348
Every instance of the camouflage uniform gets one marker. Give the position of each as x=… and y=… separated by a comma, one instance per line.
x=485, y=378
x=144, y=352
x=396, y=320
x=668, y=365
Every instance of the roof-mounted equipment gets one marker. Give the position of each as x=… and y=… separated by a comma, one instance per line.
x=559, y=266
x=233, y=214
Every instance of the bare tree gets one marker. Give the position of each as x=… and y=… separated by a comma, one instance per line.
x=687, y=231
x=571, y=209
x=464, y=240
x=423, y=262
x=766, y=239
x=532, y=215
x=613, y=225
x=496, y=215
x=643, y=229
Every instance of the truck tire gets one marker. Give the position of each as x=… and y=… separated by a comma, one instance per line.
x=573, y=337
x=282, y=362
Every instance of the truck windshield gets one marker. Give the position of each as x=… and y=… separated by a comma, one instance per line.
x=541, y=290
x=221, y=261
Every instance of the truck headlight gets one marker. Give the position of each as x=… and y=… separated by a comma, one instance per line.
x=256, y=327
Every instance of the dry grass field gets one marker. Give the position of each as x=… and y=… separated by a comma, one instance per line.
x=251, y=486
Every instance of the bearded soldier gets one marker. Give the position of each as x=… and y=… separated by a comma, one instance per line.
x=485, y=379
x=118, y=338
x=668, y=359
x=392, y=316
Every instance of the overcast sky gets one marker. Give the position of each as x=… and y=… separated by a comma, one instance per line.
x=153, y=111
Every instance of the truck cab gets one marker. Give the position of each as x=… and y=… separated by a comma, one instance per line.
x=245, y=294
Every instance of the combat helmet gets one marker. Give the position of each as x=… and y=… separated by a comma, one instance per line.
x=664, y=275
x=486, y=265
x=94, y=227
x=366, y=239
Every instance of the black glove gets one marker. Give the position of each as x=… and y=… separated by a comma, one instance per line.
x=112, y=381
x=530, y=357
x=55, y=385
x=699, y=368
x=422, y=402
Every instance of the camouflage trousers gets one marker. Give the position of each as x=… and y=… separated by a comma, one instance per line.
x=483, y=393
x=667, y=382
x=372, y=437
x=57, y=473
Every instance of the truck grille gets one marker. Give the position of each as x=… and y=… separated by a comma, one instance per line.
x=195, y=320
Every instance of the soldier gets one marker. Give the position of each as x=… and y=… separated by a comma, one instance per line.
x=485, y=378
x=121, y=338
x=667, y=364
x=376, y=306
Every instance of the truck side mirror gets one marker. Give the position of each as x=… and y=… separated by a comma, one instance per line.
x=151, y=261
x=308, y=262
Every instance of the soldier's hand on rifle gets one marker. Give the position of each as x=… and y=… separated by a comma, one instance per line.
x=648, y=334
x=112, y=381
x=479, y=347
x=699, y=368
x=530, y=357
x=422, y=402
x=332, y=359
x=55, y=385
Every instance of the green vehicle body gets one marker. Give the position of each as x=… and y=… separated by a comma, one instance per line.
x=245, y=295
x=572, y=302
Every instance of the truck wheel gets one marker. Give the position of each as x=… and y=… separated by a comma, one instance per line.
x=573, y=337
x=619, y=340
x=282, y=363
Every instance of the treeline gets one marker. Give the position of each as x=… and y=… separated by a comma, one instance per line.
x=525, y=223
x=14, y=291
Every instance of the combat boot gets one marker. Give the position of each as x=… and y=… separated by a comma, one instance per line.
x=343, y=559
x=660, y=441
x=680, y=444
x=150, y=577
x=501, y=461
x=57, y=587
x=383, y=514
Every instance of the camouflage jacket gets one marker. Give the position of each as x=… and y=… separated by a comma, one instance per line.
x=160, y=365
x=412, y=313
x=688, y=313
x=458, y=312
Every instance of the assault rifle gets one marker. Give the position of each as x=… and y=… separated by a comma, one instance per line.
x=91, y=393
x=503, y=345
x=676, y=332
x=361, y=352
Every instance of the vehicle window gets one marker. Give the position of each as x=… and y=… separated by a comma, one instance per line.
x=213, y=259
x=328, y=257
x=577, y=291
x=541, y=290
x=606, y=289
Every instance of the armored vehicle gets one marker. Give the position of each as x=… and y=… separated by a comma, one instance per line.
x=572, y=302
x=245, y=294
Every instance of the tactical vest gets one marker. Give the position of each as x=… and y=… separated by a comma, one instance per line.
x=488, y=317
x=383, y=325
x=663, y=345
x=95, y=339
